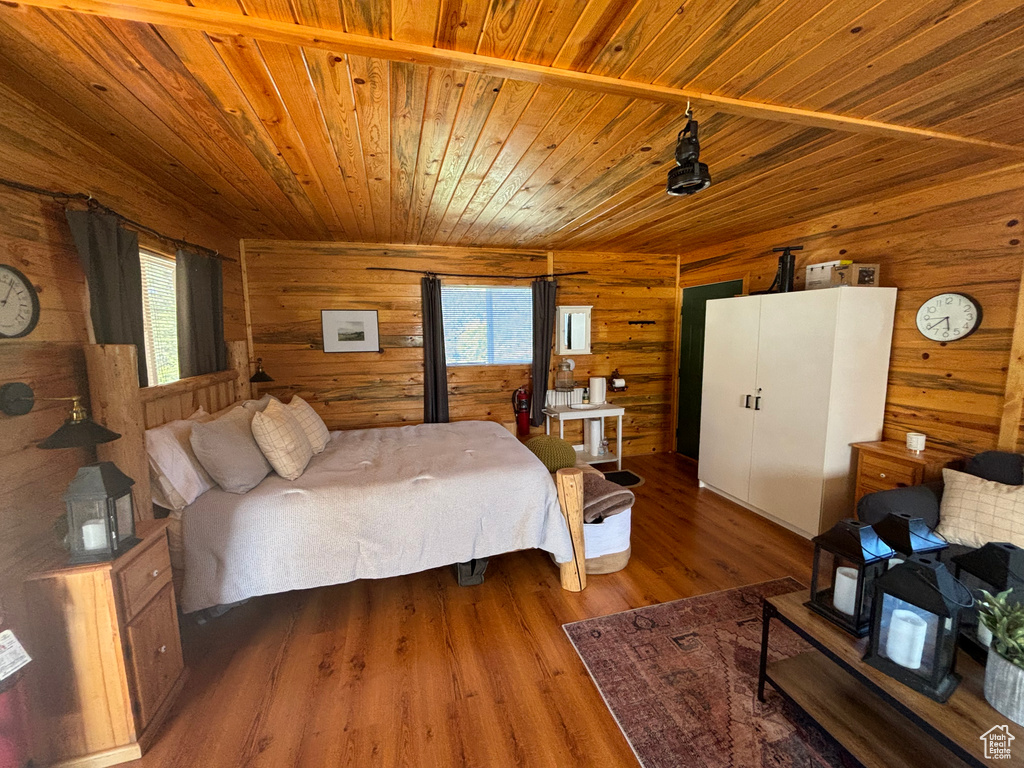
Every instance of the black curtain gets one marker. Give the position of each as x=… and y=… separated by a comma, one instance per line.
x=110, y=258
x=543, y=333
x=200, y=297
x=435, y=368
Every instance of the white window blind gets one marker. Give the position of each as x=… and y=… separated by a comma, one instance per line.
x=160, y=317
x=487, y=325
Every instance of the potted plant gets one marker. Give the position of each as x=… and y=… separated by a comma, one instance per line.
x=1004, y=671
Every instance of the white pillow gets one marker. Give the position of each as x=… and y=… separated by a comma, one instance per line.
x=176, y=475
x=975, y=511
x=282, y=440
x=310, y=422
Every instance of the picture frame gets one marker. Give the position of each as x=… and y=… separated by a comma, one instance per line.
x=350, y=330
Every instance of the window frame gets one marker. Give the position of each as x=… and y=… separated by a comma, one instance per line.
x=149, y=252
x=490, y=330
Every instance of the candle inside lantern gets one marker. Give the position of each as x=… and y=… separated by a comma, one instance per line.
x=905, y=644
x=844, y=594
x=94, y=534
x=984, y=634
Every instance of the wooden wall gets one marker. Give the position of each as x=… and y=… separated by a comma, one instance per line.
x=290, y=282
x=34, y=238
x=954, y=237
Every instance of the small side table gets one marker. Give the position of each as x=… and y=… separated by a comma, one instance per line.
x=887, y=464
x=564, y=413
x=108, y=662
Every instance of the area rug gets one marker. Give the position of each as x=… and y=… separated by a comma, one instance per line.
x=680, y=679
x=625, y=478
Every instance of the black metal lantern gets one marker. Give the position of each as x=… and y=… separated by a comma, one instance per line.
x=101, y=516
x=847, y=560
x=915, y=621
x=909, y=535
x=995, y=567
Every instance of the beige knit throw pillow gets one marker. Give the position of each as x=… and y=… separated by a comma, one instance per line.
x=282, y=440
x=310, y=422
x=975, y=511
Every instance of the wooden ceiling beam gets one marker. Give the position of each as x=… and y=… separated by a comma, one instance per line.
x=171, y=14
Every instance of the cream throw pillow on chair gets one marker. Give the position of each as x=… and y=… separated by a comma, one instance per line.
x=282, y=440
x=310, y=422
x=975, y=511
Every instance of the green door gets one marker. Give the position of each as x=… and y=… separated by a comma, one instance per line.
x=691, y=360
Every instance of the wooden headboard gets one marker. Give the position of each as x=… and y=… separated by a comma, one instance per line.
x=182, y=398
x=121, y=405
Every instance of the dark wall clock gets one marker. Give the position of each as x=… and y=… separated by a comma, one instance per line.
x=948, y=317
x=19, y=304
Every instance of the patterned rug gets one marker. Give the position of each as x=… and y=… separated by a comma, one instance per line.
x=680, y=678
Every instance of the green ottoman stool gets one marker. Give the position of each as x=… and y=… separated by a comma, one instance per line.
x=553, y=452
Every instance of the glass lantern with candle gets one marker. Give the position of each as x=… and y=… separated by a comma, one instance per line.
x=995, y=567
x=915, y=621
x=847, y=559
x=909, y=535
x=101, y=516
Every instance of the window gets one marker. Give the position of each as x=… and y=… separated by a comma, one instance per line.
x=487, y=325
x=160, y=317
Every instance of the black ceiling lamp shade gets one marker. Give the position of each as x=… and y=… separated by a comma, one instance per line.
x=78, y=431
x=690, y=175
x=260, y=376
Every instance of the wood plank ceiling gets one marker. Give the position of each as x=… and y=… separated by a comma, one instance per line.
x=306, y=142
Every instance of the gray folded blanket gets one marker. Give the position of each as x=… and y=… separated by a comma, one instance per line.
x=603, y=498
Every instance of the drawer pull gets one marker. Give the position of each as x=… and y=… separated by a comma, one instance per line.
x=880, y=474
x=163, y=649
x=156, y=571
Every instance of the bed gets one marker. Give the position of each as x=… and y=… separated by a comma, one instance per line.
x=376, y=503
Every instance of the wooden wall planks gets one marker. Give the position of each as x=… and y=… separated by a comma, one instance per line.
x=293, y=132
x=34, y=238
x=953, y=237
x=290, y=282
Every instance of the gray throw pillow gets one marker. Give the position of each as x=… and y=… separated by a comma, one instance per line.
x=229, y=453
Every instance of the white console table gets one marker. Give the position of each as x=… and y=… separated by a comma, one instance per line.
x=564, y=413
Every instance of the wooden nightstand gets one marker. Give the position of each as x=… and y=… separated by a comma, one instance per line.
x=888, y=464
x=107, y=654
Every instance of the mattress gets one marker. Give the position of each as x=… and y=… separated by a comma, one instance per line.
x=376, y=503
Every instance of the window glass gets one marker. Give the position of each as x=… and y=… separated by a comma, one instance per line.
x=160, y=317
x=487, y=325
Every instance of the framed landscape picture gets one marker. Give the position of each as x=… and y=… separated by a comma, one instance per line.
x=350, y=330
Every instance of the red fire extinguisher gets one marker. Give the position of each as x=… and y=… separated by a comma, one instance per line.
x=521, y=407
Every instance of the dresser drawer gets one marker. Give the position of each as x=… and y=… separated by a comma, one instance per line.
x=883, y=472
x=144, y=576
x=154, y=654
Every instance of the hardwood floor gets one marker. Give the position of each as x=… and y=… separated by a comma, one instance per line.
x=417, y=671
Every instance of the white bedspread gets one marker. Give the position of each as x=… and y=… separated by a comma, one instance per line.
x=375, y=503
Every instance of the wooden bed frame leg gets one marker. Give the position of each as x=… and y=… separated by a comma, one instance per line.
x=570, y=496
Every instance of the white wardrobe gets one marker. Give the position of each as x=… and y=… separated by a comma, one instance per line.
x=790, y=380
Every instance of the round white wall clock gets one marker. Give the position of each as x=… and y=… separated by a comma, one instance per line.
x=19, y=304
x=948, y=317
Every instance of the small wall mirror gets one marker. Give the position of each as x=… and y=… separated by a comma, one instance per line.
x=573, y=331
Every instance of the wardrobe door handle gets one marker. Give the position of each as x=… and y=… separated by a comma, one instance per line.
x=747, y=403
x=757, y=403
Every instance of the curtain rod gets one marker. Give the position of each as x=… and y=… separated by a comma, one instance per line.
x=95, y=204
x=485, y=277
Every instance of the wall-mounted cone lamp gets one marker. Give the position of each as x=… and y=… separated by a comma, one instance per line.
x=78, y=431
x=260, y=376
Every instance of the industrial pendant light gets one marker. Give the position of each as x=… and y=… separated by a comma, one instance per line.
x=690, y=175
